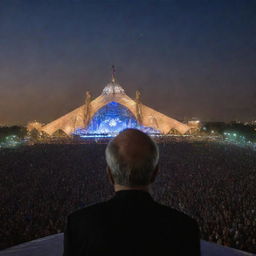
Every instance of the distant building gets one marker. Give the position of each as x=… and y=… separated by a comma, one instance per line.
x=112, y=112
x=34, y=125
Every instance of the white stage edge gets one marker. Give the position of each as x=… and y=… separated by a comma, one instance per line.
x=53, y=246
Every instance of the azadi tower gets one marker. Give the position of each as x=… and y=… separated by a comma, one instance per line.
x=112, y=112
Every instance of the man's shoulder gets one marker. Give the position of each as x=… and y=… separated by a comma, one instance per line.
x=178, y=216
x=88, y=210
x=157, y=211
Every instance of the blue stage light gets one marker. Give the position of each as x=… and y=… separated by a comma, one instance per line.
x=110, y=120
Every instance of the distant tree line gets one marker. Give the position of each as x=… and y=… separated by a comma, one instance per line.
x=19, y=131
x=207, y=128
x=248, y=131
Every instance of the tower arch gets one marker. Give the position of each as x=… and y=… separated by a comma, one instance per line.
x=111, y=118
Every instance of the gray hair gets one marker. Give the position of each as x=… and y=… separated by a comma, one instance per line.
x=132, y=173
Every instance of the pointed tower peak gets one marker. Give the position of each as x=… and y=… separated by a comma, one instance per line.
x=113, y=74
x=113, y=87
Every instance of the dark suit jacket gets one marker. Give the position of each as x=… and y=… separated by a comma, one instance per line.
x=130, y=223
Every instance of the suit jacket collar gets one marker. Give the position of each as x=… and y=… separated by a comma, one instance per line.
x=133, y=194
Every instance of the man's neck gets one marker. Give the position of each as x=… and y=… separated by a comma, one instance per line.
x=120, y=188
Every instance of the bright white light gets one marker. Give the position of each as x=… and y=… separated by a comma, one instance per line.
x=112, y=122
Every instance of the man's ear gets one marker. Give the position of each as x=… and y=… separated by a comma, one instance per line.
x=154, y=174
x=110, y=176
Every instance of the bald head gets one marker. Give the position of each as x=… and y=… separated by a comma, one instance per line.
x=132, y=158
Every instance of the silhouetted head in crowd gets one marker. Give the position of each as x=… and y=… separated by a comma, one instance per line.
x=132, y=158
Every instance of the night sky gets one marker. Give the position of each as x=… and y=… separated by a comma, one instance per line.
x=188, y=58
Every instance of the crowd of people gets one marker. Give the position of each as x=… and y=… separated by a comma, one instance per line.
x=212, y=182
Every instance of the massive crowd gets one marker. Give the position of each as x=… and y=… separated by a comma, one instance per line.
x=212, y=182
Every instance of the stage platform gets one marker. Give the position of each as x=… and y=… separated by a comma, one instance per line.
x=53, y=246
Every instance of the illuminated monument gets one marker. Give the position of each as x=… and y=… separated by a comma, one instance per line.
x=112, y=112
